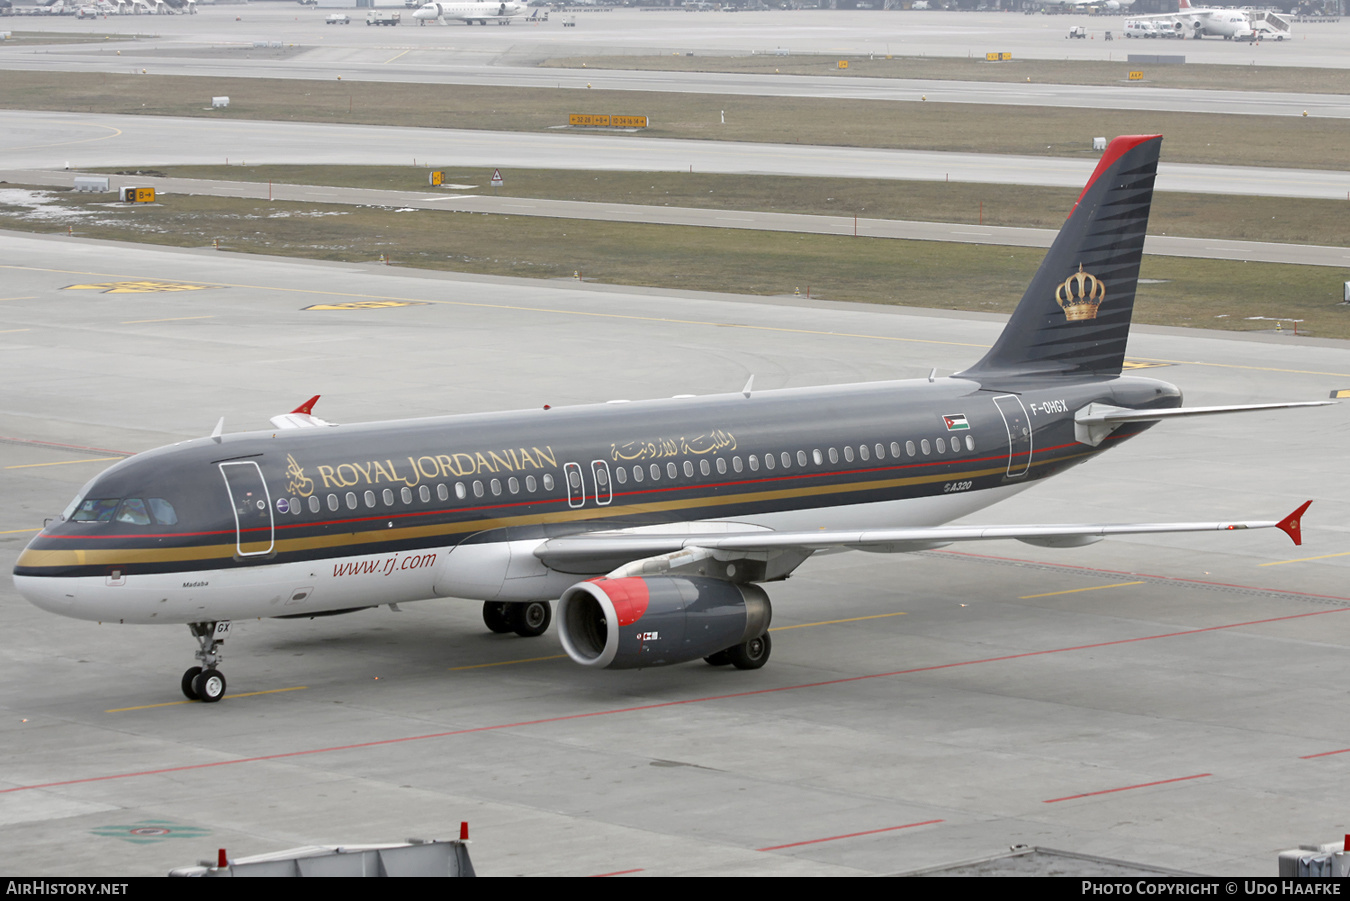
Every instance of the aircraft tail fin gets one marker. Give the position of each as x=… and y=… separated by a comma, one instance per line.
x=1074, y=318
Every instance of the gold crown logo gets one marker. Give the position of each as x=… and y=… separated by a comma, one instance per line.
x=1080, y=295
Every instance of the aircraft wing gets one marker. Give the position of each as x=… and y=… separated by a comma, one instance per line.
x=647, y=553
x=302, y=417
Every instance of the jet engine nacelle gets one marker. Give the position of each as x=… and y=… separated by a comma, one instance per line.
x=638, y=622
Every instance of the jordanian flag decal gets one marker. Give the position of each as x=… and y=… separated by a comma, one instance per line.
x=956, y=422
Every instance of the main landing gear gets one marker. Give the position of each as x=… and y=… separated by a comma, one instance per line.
x=205, y=683
x=751, y=655
x=527, y=620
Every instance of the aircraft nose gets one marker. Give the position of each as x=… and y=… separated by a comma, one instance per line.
x=54, y=595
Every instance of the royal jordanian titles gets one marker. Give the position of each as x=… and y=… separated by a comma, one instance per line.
x=654, y=524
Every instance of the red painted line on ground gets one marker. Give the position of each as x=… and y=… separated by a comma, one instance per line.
x=1324, y=754
x=835, y=838
x=617, y=873
x=1125, y=788
x=664, y=704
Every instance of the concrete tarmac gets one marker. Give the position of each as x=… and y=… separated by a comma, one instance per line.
x=194, y=43
x=1167, y=700
x=223, y=42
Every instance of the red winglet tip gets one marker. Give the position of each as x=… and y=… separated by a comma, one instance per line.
x=308, y=406
x=1291, y=524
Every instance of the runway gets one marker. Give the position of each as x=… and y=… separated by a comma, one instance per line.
x=47, y=140
x=1152, y=699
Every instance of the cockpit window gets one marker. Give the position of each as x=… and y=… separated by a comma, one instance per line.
x=132, y=511
x=164, y=512
x=97, y=510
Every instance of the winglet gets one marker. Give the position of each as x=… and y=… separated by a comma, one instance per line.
x=1290, y=524
x=308, y=406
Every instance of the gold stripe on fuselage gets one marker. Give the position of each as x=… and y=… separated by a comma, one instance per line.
x=366, y=541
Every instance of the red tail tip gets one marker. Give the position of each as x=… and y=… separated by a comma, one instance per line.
x=1291, y=525
x=221, y=860
x=463, y=831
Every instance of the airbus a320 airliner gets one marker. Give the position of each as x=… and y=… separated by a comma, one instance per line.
x=655, y=523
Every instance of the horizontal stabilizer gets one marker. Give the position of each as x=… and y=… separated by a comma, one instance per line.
x=1093, y=423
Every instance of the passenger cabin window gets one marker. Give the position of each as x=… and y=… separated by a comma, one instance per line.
x=548, y=481
x=862, y=452
x=388, y=497
x=909, y=448
x=460, y=491
x=314, y=503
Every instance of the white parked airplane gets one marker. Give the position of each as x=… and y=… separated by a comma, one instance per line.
x=1109, y=4
x=654, y=523
x=1197, y=22
x=480, y=11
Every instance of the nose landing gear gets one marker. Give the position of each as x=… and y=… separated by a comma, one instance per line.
x=205, y=683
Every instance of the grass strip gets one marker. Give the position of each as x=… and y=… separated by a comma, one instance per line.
x=953, y=127
x=1180, y=292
